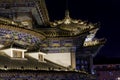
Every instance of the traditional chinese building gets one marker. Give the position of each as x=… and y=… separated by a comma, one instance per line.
x=30, y=41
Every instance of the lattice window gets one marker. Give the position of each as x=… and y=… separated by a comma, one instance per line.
x=40, y=57
x=17, y=54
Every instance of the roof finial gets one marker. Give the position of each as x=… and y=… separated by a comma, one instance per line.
x=67, y=10
x=67, y=14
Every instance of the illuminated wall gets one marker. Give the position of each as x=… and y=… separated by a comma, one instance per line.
x=63, y=59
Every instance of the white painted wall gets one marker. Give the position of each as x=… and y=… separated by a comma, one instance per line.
x=8, y=52
x=1, y=45
x=63, y=59
x=35, y=54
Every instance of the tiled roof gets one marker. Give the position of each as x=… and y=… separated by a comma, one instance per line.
x=28, y=63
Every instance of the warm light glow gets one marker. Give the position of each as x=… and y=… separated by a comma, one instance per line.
x=90, y=43
x=1, y=46
x=90, y=37
x=67, y=21
x=118, y=78
x=25, y=23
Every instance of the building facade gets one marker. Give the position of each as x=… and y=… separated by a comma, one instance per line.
x=27, y=35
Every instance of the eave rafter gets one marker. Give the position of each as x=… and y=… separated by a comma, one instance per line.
x=42, y=10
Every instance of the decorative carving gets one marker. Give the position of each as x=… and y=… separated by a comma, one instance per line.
x=74, y=26
x=94, y=42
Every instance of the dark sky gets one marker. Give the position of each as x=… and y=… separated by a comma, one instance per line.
x=107, y=12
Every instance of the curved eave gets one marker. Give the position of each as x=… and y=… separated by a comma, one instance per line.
x=6, y=21
x=28, y=31
x=95, y=43
x=67, y=22
x=40, y=7
x=42, y=10
x=18, y=26
x=55, y=32
x=93, y=49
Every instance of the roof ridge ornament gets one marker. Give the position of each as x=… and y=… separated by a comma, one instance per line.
x=67, y=14
x=67, y=19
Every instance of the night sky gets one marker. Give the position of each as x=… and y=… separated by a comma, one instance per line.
x=105, y=12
